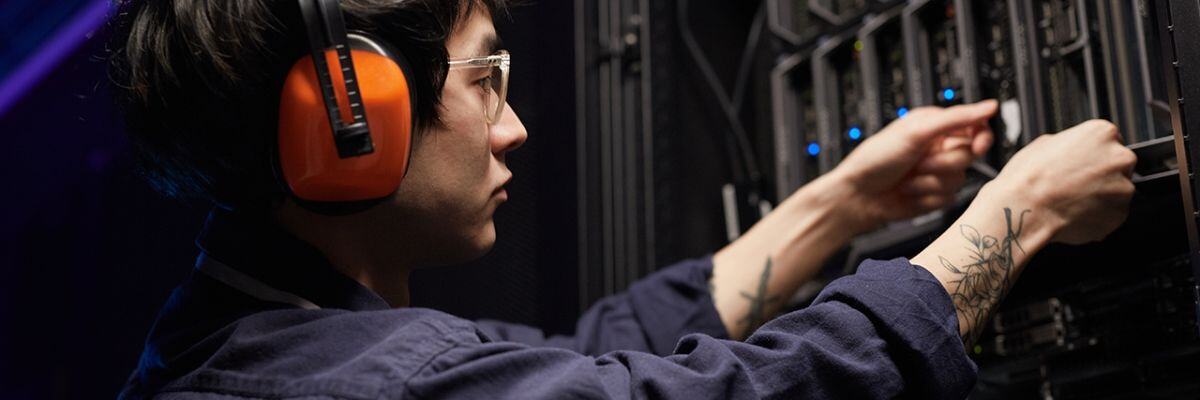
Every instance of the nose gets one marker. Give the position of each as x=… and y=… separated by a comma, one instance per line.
x=508, y=134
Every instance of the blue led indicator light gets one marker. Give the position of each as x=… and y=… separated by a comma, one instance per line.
x=855, y=133
x=948, y=94
x=814, y=149
x=901, y=112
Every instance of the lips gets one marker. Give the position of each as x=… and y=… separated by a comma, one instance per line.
x=500, y=191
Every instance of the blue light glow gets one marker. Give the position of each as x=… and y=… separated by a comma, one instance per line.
x=901, y=112
x=855, y=133
x=948, y=94
x=814, y=149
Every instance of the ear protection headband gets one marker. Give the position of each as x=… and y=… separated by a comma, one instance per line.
x=334, y=159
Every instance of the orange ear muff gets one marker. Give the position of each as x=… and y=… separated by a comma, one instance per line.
x=308, y=155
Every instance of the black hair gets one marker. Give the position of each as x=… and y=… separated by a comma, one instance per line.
x=199, y=82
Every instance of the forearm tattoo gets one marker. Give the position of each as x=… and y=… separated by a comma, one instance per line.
x=983, y=282
x=760, y=303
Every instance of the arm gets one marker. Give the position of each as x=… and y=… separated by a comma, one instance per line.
x=913, y=166
x=754, y=276
x=651, y=316
x=980, y=257
x=850, y=344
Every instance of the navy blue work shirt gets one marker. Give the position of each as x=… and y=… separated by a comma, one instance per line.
x=888, y=331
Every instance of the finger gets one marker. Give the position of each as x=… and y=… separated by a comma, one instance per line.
x=932, y=202
x=945, y=162
x=922, y=112
x=936, y=124
x=938, y=144
x=977, y=138
x=920, y=184
x=1110, y=220
x=983, y=141
x=1127, y=159
x=1119, y=191
x=955, y=142
x=928, y=184
x=965, y=132
x=1101, y=127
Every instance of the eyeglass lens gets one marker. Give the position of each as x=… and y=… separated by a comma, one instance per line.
x=495, y=99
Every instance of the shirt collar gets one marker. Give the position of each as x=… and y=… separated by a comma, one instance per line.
x=256, y=246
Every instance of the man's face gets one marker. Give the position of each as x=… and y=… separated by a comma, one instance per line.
x=456, y=177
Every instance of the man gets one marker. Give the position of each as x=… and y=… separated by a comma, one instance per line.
x=286, y=302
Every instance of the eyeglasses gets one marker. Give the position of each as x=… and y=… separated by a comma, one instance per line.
x=496, y=84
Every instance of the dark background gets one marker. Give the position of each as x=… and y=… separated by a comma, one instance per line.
x=88, y=252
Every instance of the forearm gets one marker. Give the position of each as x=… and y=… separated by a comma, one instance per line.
x=980, y=257
x=756, y=274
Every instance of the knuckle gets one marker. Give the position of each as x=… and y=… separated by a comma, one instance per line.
x=1104, y=127
x=1121, y=157
x=957, y=162
x=1099, y=124
x=1128, y=188
x=1129, y=158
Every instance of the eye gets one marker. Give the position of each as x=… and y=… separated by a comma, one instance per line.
x=485, y=83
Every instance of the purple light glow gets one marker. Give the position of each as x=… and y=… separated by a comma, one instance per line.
x=52, y=52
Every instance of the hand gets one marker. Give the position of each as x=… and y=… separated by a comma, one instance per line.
x=1080, y=177
x=917, y=163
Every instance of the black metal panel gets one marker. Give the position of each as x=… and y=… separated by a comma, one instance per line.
x=934, y=57
x=796, y=135
x=884, y=71
x=1134, y=63
x=614, y=146
x=837, y=77
x=1179, y=24
x=996, y=65
x=1068, y=73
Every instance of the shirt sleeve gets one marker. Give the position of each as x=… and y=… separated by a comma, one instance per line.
x=650, y=317
x=888, y=331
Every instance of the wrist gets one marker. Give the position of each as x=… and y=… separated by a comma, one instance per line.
x=1040, y=223
x=840, y=195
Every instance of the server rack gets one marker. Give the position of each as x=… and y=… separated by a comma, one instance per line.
x=1069, y=72
x=614, y=139
x=794, y=118
x=885, y=96
x=935, y=60
x=800, y=23
x=1114, y=319
x=1137, y=81
x=996, y=66
x=837, y=76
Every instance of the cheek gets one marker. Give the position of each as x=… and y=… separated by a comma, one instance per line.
x=451, y=161
x=468, y=131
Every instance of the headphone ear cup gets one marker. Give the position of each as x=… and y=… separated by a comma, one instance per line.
x=308, y=155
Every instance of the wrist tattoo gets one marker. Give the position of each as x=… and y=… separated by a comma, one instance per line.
x=984, y=281
x=760, y=301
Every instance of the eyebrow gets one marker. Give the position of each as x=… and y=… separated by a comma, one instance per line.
x=489, y=46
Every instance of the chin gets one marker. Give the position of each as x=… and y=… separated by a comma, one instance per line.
x=480, y=243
